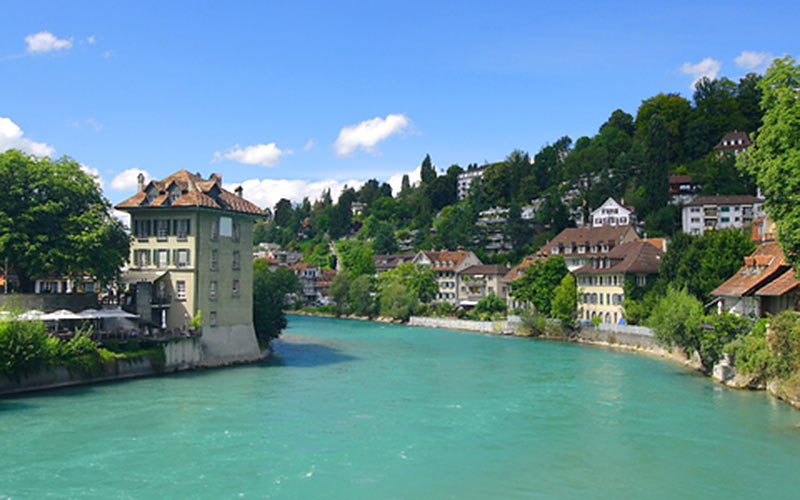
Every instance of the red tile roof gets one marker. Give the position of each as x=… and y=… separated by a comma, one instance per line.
x=725, y=199
x=517, y=271
x=632, y=257
x=764, y=265
x=590, y=236
x=485, y=269
x=193, y=191
x=782, y=285
x=448, y=260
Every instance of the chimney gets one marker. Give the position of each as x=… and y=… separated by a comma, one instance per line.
x=218, y=177
x=238, y=191
x=140, y=180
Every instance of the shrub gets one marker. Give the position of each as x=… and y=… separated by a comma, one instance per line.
x=678, y=319
x=533, y=323
x=396, y=302
x=722, y=329
x=24, y=347
x=490, y=304
x=565, y=301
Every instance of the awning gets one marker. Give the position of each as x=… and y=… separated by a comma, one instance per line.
x=142, y=276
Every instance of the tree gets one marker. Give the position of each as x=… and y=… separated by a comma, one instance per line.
x=491, y=304
x=283, y=211
x=565, y=301
x=53, y=218
x=701, y=263
x=340, y=291
x=775, y=157
x=356, y=257
x=656, y=175
x=396, y=302
x=384, y=242
x=427, y=172
x=678, y=319
x=360, y=296
x=537, y=286
x=419, y=280
x=269, y=294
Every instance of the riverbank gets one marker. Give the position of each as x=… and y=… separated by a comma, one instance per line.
x=174, y=356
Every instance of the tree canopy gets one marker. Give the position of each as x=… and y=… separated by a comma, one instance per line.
x=775, y=157
x=54, y=218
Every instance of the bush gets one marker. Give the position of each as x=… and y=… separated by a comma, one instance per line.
x=721, y=330
x=783, y=342
x=533, y=323
x=678, y=319
x=565, y=302
x=24, y=347
x=490, y=304
x=396, y=302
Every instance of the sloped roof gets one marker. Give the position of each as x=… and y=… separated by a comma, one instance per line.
x=485, y=269
x=194, y=191
x=445, y=258
x=730, y=140
x=761, y=267
x=632, y=257
x=601, y=235
x=680, y=179
x=517, y=271
x=782, y=285
x=725, y=199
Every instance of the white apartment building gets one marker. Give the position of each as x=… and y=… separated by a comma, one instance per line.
x=720, y=212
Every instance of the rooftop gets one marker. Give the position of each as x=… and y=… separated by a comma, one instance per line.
x=185, y=189
x=725, y=199
x=761, y=267
x=638, y=256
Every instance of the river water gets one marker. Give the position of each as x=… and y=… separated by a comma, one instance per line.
x=349, y=409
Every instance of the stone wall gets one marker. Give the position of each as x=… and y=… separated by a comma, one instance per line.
x=496, y=327
x=48, y=302
x=634, y=336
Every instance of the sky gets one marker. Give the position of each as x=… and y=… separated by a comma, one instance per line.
x=290, y=98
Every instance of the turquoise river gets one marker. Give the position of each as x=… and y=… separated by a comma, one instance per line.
x=350, y=410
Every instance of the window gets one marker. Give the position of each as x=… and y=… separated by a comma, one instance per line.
x=225, y=227
x=163, y=258
x=182, y=257
x=235, y=288
x=180, y=287
x=182, y=228
x=212, y=318
x=212, y=290
x=163, y=229
x=725, y=209
x=214, y=230
x=214, y=259
x=142, y=257
x=236, y=231
x=236, y=259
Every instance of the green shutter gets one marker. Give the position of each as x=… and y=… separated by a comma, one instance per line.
x=188, y=257
x=188, y=227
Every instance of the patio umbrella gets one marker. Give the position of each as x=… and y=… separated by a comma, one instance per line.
x=116, y=313
x=32, y=315
x=89, y=314
x=61, y=314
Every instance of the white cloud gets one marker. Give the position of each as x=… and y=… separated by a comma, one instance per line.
x=265, y=155
x=708, y=68
x=368, y=133
x=309, y=145
x=11, y=137
x=396, y=181
x=91, y=40
x=94, y=173
x=107, y=54
x=44, y=41
x=758, y=61
x=129, y=179
x=267, y=192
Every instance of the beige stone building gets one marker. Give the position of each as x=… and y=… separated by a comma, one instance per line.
x=478, y=282
x=446, y=265
x=601, y=282
x=192, y=252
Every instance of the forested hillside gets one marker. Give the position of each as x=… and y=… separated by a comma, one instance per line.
x=630, y=158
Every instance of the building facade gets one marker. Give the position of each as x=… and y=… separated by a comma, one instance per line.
x=192, y=252
x=601, y=283
x=579, y=245
x=733, y=143
x=465, y=179
x=446, y=265
x=612, y=213
x=475, y=283
x=720, y=212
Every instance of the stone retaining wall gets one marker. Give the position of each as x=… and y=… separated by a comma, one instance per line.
x=634, y=336
x=496, y=327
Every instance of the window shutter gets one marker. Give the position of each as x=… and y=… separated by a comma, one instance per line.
x=188, y=227
x=175, y=256
x=168, y=257
x=188, y=257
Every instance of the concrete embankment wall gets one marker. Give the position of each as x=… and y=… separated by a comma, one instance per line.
x=216, y=347
x=633, y=336
x=501, y=327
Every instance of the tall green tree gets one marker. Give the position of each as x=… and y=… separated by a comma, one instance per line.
x=269, y=293
x=427, y=172
x=538, y=284
x=361, y=296
x=775, y=157
x=54, y=218
x=565, y=301
x=656, y=174
x=356, y=257
x=419, y=280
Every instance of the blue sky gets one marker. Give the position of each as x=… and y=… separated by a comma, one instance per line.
x=292, y=97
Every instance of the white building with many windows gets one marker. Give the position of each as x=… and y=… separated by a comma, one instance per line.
x=612, y=213
x=720, y=212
